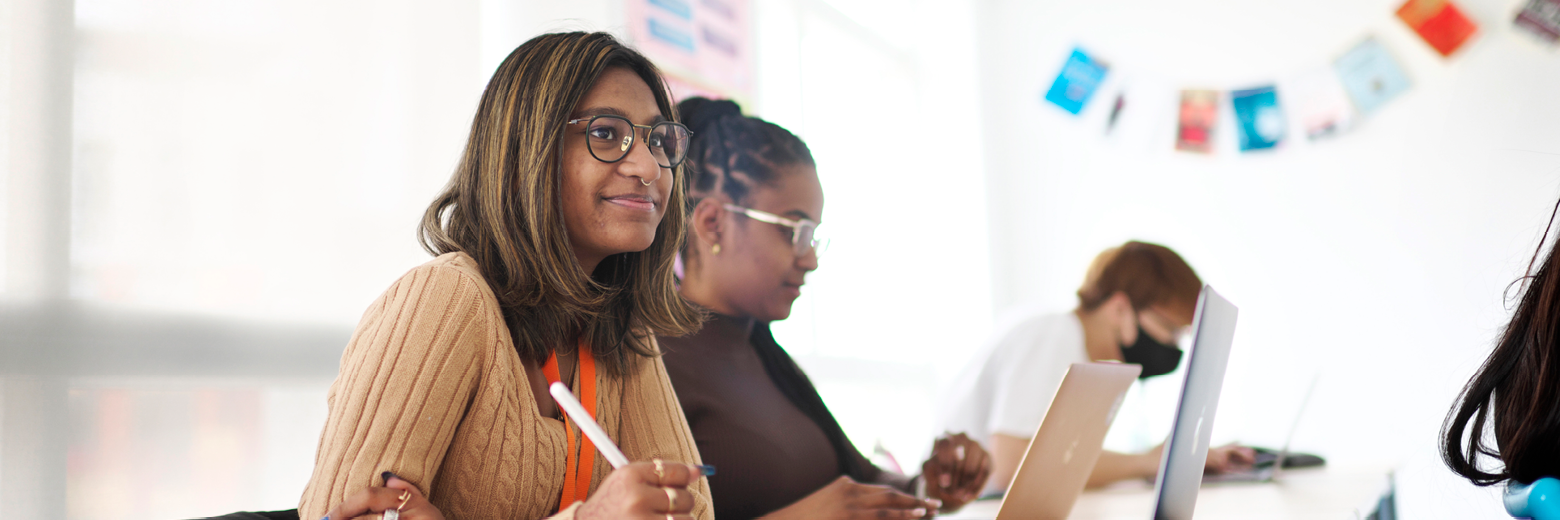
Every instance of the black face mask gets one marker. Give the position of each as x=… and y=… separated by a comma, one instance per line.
x=1156, y=358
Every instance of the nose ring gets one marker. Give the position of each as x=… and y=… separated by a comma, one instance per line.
x=643, y=181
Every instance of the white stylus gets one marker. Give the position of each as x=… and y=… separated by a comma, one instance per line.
x=587, y=424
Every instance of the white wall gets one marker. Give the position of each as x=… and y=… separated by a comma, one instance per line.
x=891, y=117
x=271, y=160
x=1377, y=258
x=268, y=163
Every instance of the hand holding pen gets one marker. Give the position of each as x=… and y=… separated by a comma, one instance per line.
x=641, y=490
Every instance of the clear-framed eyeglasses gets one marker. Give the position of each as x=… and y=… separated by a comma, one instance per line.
x=804, y=233
x=611, y=137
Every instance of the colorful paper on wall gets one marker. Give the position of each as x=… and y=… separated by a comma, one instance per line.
x=1258, y=117
x=1199, y=116
x=1318, y=102
x=1370, y=75
x=705, y=42
x=1439, y=22
x=1077, y=81
x=1541, y=18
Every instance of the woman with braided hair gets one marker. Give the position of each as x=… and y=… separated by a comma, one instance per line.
x=756, y=202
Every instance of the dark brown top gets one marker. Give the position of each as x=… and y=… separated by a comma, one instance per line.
x=767, y=452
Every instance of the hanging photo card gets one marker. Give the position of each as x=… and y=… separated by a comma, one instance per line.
x=1540, y=18
x=1370, y=75
x=1198, y=117
x=1317, y=100
x=1258, y=118
x=1439, y=22
x=1077, y=81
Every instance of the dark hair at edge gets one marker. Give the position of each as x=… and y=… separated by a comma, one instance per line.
x=503, y=207
x=1517, y=390
x=733, y=155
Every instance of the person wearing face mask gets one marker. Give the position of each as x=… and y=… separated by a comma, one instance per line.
x=1136, y=301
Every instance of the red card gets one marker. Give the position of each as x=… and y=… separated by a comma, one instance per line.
x=1439, y=22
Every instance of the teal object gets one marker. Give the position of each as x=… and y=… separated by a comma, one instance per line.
x=1261, y=121
x=1077, y=81
x=1537, y=501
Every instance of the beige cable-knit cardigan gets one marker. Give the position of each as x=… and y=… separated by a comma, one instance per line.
x=431, y=388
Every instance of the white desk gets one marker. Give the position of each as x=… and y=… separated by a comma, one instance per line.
x=1315, y=494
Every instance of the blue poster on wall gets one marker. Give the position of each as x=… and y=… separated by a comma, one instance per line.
x=1260, y=120
x=1077, y=81
x=1370, y=75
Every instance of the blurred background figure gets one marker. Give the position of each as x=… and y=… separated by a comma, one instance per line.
x=177, y=173
x=1136, y=303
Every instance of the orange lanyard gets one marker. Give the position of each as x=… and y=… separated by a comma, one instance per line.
x=576, y=476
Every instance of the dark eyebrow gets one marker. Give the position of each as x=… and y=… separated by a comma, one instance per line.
x=800, y=214
x=600, y=111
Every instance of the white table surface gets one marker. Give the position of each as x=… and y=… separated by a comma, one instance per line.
x=1309, y=494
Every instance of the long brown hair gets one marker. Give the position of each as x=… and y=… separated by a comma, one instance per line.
x=1517, y=390
x=503, y=207
x=1149, y=274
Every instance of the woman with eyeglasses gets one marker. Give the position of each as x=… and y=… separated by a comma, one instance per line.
x=555, y=241
x=1136, y=301
x=756, y=205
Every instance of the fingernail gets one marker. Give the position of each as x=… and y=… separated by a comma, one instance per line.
x=386, y=476
x=934, y=503
x=707, y=469
x=918, y=512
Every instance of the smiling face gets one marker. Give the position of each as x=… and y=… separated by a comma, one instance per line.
x=757, y=272
x=607, y=207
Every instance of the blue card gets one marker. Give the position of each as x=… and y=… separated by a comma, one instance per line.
x=1077, y=81
x=1370, y=75
x=1260, y=120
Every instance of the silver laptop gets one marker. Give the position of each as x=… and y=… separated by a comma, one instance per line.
x=1065, y=447
x=1268, y=466
x=1181, y=467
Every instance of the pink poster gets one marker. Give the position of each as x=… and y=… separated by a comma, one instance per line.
x=703, y=42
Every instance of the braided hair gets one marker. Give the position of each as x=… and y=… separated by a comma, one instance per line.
x=733, y=155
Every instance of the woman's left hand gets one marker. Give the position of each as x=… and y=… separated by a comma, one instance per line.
x=956, y=472
x=374, y=500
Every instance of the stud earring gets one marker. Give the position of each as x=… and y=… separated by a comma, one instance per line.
x=715, y=249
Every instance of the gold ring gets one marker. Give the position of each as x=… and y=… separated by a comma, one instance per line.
x=671, y=500
x=405, y=495
x=659, y=476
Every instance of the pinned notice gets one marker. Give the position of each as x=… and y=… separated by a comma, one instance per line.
x=1199, y=115
x=1077, y=81
x=1541, y=18
x=1261, y=122
x=1370, y=75
x=1439, y=22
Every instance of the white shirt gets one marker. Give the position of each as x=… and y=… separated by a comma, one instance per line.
x=1008, y=386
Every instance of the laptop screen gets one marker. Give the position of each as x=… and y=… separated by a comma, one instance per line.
x=1186, y=452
